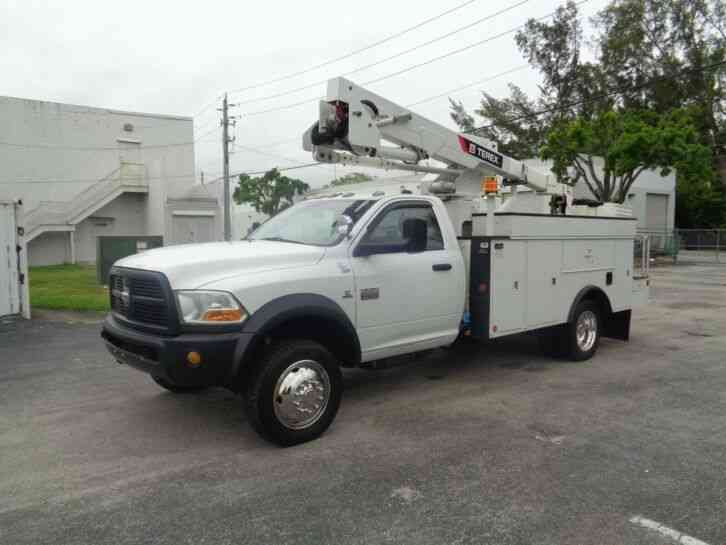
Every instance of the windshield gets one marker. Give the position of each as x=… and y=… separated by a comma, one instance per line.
x=312, y=222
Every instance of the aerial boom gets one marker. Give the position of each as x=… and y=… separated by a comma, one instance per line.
x=358, y=127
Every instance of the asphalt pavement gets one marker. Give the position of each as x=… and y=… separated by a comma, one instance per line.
x=491, y=444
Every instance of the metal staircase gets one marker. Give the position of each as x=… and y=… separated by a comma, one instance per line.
x=65, y=215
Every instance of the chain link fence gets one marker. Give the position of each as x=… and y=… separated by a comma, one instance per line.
x=688, y=245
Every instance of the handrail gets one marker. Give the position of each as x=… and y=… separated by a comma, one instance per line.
x=63, y=212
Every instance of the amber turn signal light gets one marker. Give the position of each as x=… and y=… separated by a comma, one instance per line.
x=490, y=185
x=222, y=315
x=194, y=359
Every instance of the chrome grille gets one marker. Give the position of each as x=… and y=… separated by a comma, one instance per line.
x=119, y=301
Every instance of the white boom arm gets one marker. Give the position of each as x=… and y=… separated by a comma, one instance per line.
x=354, y=123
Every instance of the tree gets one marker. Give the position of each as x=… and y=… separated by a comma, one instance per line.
x=651, y=55
x=518, y=123
x=671, y=52
x=628, y=143
x=269, y=193
x=352, y=178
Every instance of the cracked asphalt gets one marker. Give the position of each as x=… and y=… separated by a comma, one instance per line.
x=487, y=444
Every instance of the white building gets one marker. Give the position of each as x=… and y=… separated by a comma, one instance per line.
x=83, y=172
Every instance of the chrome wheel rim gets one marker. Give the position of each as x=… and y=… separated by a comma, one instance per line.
x=301, y=394
x=586, y=330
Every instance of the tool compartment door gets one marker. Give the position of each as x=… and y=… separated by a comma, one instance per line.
x=508, y=284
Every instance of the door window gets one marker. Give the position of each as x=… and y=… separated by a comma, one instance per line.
x=389, y=230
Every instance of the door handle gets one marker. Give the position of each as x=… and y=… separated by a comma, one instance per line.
x=442, y=267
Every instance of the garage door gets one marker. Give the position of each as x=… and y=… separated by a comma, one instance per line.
x=656, y=212
x=188, y=227
x=10, y=287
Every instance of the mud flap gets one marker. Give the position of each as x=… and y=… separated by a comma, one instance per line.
x=618, y=325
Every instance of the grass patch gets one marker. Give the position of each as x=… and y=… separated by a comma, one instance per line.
x=67, y=287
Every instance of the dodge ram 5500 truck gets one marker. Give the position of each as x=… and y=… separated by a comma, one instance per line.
x=347, y=278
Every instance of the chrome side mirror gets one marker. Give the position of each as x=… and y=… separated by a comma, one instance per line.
x=342, y=225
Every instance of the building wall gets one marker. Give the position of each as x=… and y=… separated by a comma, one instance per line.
x=50, y=248
x=193, y=219
x=651, y=182
x=125, y=215
x=74, y=146
x=55, y=152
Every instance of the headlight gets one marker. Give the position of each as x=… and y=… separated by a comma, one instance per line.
x=209, y=307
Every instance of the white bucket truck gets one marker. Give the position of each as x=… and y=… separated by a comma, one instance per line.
x=488, y=248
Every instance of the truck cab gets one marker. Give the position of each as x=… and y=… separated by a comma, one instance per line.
x=337, y=281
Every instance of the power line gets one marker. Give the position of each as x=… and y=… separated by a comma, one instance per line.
x=105, y=148
x=279, y=142
x=415, y=66
x=601, y=96
x=355, y=52
x=562, y=107
x=273, y=155
x=418, y=102
x=468, y=85
x=462, y=49
x=257, y=172
x=208, y=105
x=395, y=56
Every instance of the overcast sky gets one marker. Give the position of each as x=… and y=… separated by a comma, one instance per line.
x=178, y=57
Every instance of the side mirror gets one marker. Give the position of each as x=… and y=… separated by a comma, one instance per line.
x=416, y=231
x=342, y=225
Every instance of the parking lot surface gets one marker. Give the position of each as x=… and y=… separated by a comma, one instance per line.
x=485, y=444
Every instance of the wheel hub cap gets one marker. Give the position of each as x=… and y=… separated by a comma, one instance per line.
x=586, y=330
x=301, y=394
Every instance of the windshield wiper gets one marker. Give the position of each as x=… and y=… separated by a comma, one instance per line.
x=279, y=239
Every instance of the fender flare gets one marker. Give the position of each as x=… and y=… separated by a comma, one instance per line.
x=583, y=294
x=287, y=307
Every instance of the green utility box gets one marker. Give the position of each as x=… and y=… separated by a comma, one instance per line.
x=110, y=249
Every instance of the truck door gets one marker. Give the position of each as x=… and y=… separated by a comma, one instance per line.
x=407, y=300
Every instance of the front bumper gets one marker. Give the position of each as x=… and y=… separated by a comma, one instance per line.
x=166, y=357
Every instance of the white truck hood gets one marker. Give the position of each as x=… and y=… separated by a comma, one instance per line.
x=191, y=266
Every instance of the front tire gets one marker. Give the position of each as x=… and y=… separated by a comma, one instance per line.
x=582, y=334
x=294, y=392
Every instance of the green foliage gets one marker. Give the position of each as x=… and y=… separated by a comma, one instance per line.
x=518, y=123
x=656, y=56
x=700, y=203
x=269, y=193
x=628, y=142
x=352, y=178
x=67, y=287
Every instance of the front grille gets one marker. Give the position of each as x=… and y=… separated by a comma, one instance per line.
x=150, y=311
x=119, y=303
x=146, y=287
x=140, y=297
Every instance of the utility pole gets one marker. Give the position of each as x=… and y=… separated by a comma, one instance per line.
x=225, y=158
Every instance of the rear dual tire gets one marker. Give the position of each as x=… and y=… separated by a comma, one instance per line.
x=577, y=340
